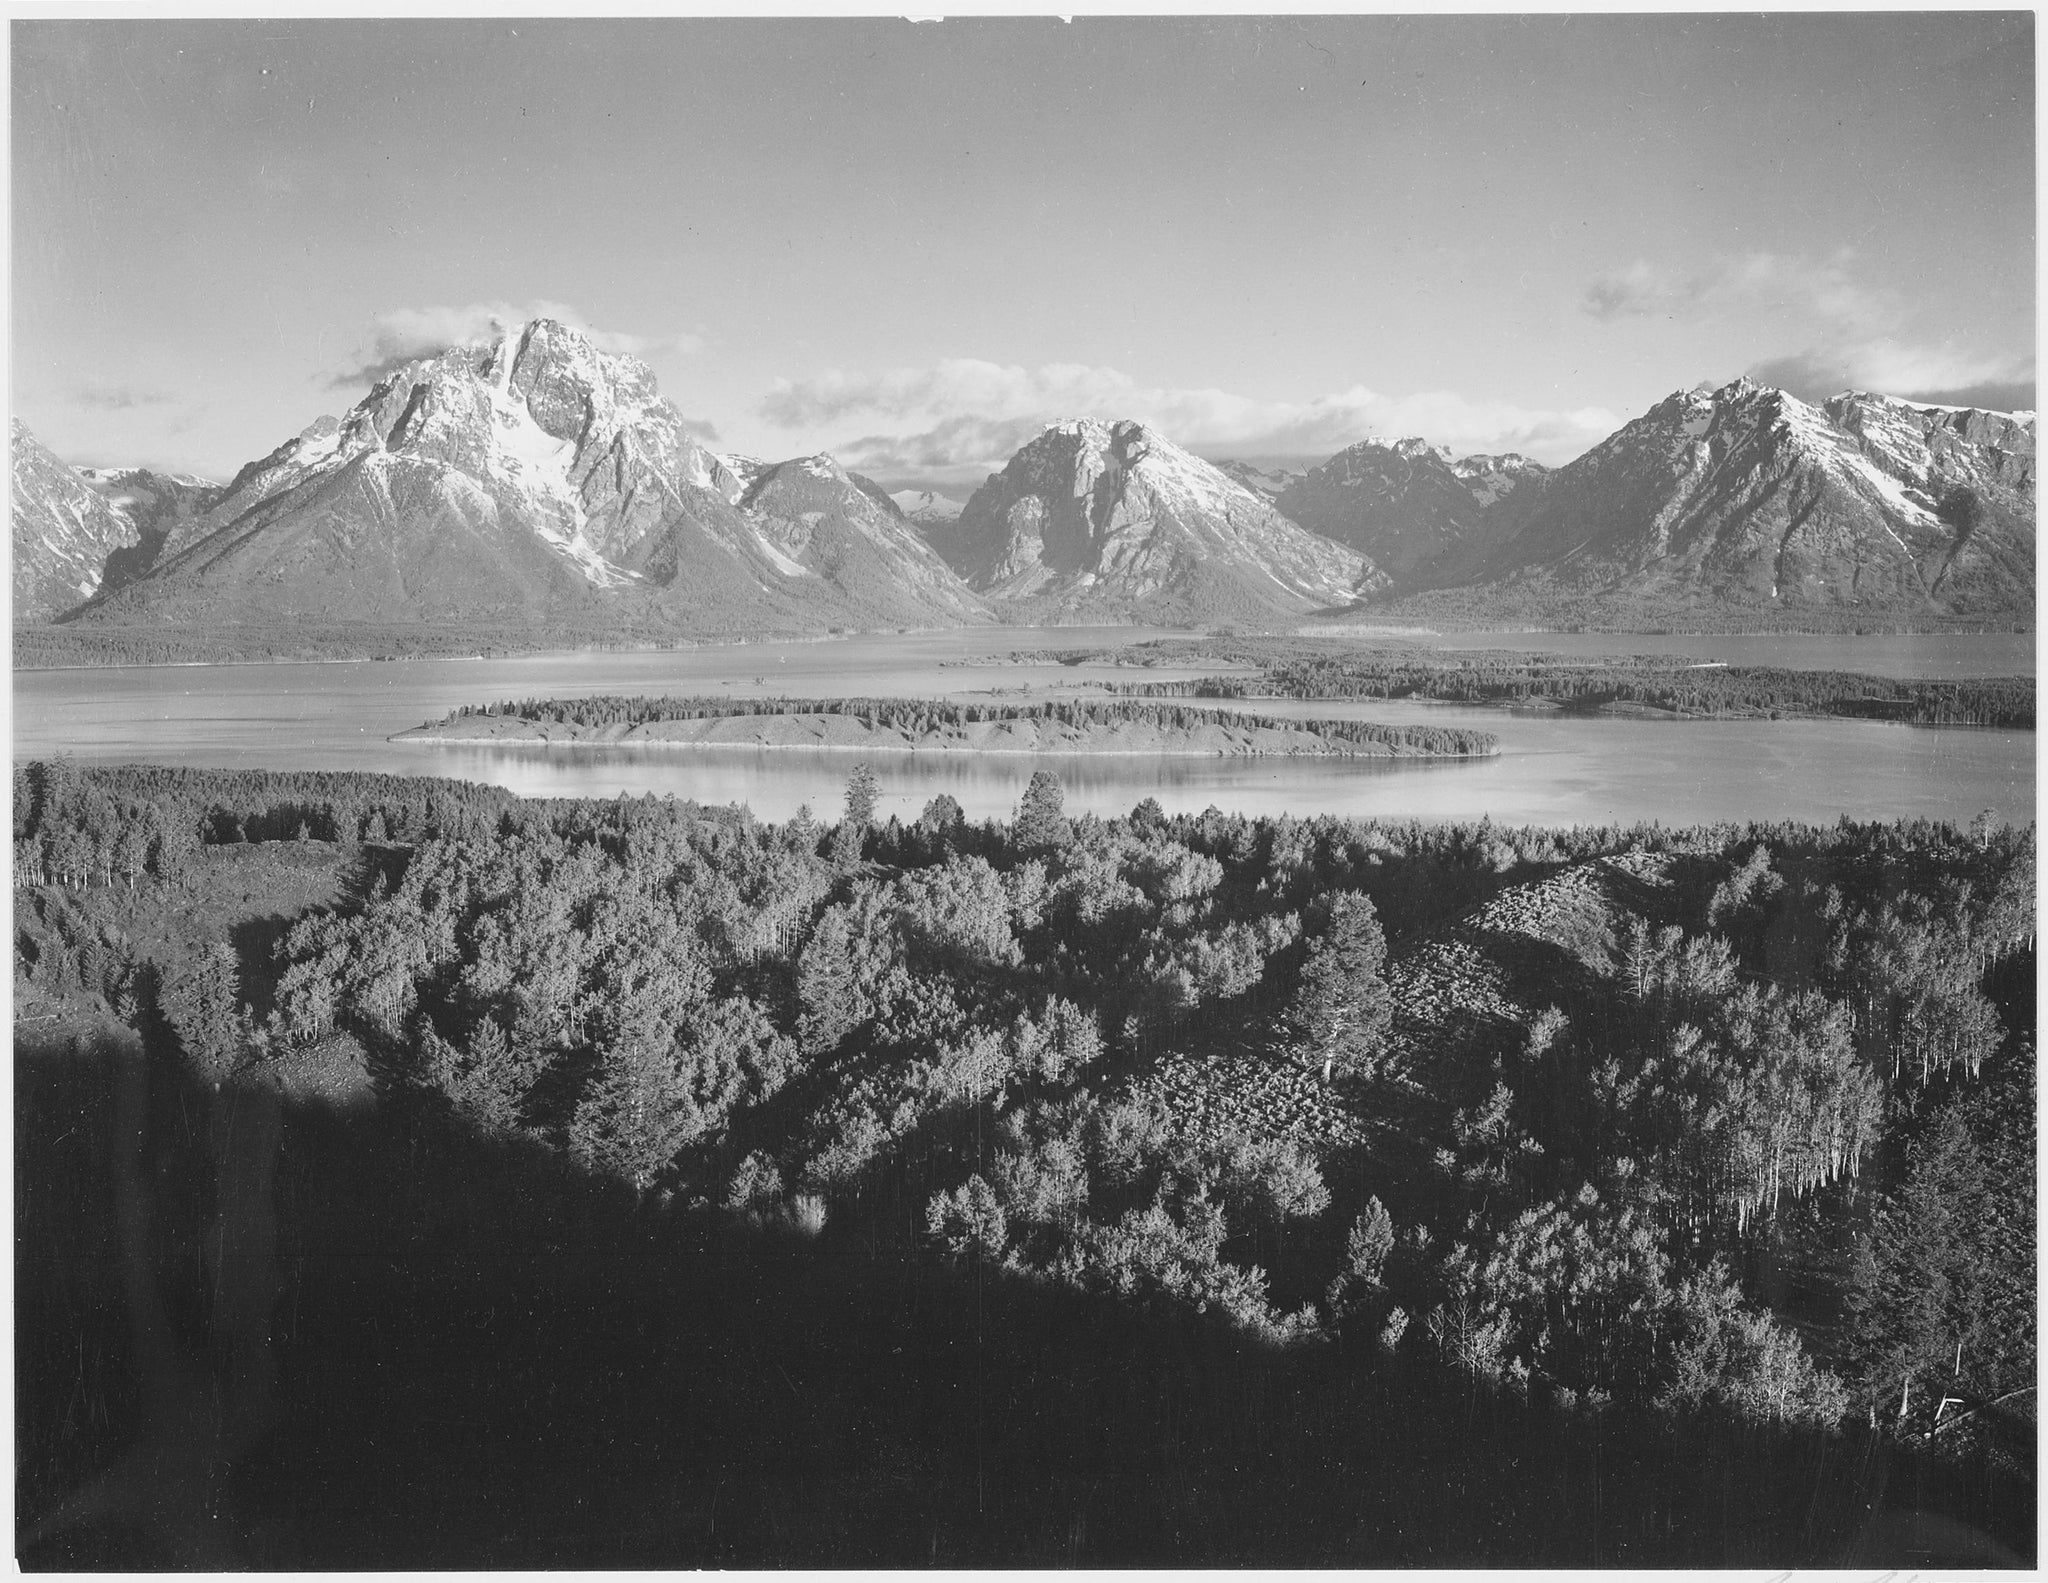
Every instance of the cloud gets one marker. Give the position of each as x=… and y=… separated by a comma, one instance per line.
x=119, y=398
x=698, y=429
x=1748, y=283
x=1856, y=336
x=406, y=335
x=962, y=446
x=1992, y=395
x=1893, y=368
x=966, y=415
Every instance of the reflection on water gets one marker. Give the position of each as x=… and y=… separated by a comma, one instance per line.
x=1551, y=771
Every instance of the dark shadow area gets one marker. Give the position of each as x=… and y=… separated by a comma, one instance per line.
x=256, y=942
x=372, y=1339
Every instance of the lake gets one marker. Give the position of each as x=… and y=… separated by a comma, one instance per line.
x=1551, y=771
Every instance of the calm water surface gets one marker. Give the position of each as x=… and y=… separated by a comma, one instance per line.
x=1551, y=770
x=1943, y=655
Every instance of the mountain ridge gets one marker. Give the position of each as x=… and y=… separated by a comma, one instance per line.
x=1747, y=497
x=537, y=480
x=1404, y=502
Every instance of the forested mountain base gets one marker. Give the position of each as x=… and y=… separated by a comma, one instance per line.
x=52, y=647
x=1327, y=669
x=684, y=1190
x=1564, y=609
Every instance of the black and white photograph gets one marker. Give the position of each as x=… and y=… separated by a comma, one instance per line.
x=966, y=792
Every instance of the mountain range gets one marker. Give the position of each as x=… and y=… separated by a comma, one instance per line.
x=538, y=482
x=1747, y=497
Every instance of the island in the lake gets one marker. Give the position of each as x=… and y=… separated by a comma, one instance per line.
x=1065, y=726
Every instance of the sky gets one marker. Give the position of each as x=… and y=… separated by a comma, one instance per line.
x=913, y=244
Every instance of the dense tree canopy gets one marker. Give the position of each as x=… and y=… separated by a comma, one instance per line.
x=1588, y=1082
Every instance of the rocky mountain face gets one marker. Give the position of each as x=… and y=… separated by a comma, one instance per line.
x=157, y=505
x=744, y=468
x=1978, y=469
x=535, y=478
x=925, y=510
x=1268, y=483
x=1403, y=504
x=823, y=521
x=1745, y=496
x=64, y=532
x=1112, y=520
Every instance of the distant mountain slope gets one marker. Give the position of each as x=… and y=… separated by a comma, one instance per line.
x=1114, y=520
x=1403, y=504
x=925, y=510
x=1747, y=497
x=845, y=530
x=154, y=502
x=64, y=532
x=1268, y=483
x=536, y=482
x=535, y=479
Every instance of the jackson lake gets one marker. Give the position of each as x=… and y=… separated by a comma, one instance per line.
x=1551, y=770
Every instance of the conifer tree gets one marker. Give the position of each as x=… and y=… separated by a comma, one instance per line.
x=862, y=789
x=1341, y=1008
x=487, y=1082
x=828, y=991
x=941, y=813
x=1041, y=816
x=202, y=1002
x=633, y=1117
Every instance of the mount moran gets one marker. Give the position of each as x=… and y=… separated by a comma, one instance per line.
x=538, y=486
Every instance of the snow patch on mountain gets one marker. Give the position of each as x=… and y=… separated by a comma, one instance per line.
x=927, y=508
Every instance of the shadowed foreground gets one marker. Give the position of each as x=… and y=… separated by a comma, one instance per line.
x=267, y=1332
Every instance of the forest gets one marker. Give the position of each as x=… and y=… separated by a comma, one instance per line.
x=918, y=717
x=1499, y=606
x=84, y=643
x=1307, y=668
x=1709, y=1152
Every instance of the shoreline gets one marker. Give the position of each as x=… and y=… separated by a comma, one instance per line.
x=1405, y=635
x=1649, y=713
x=414, y=739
